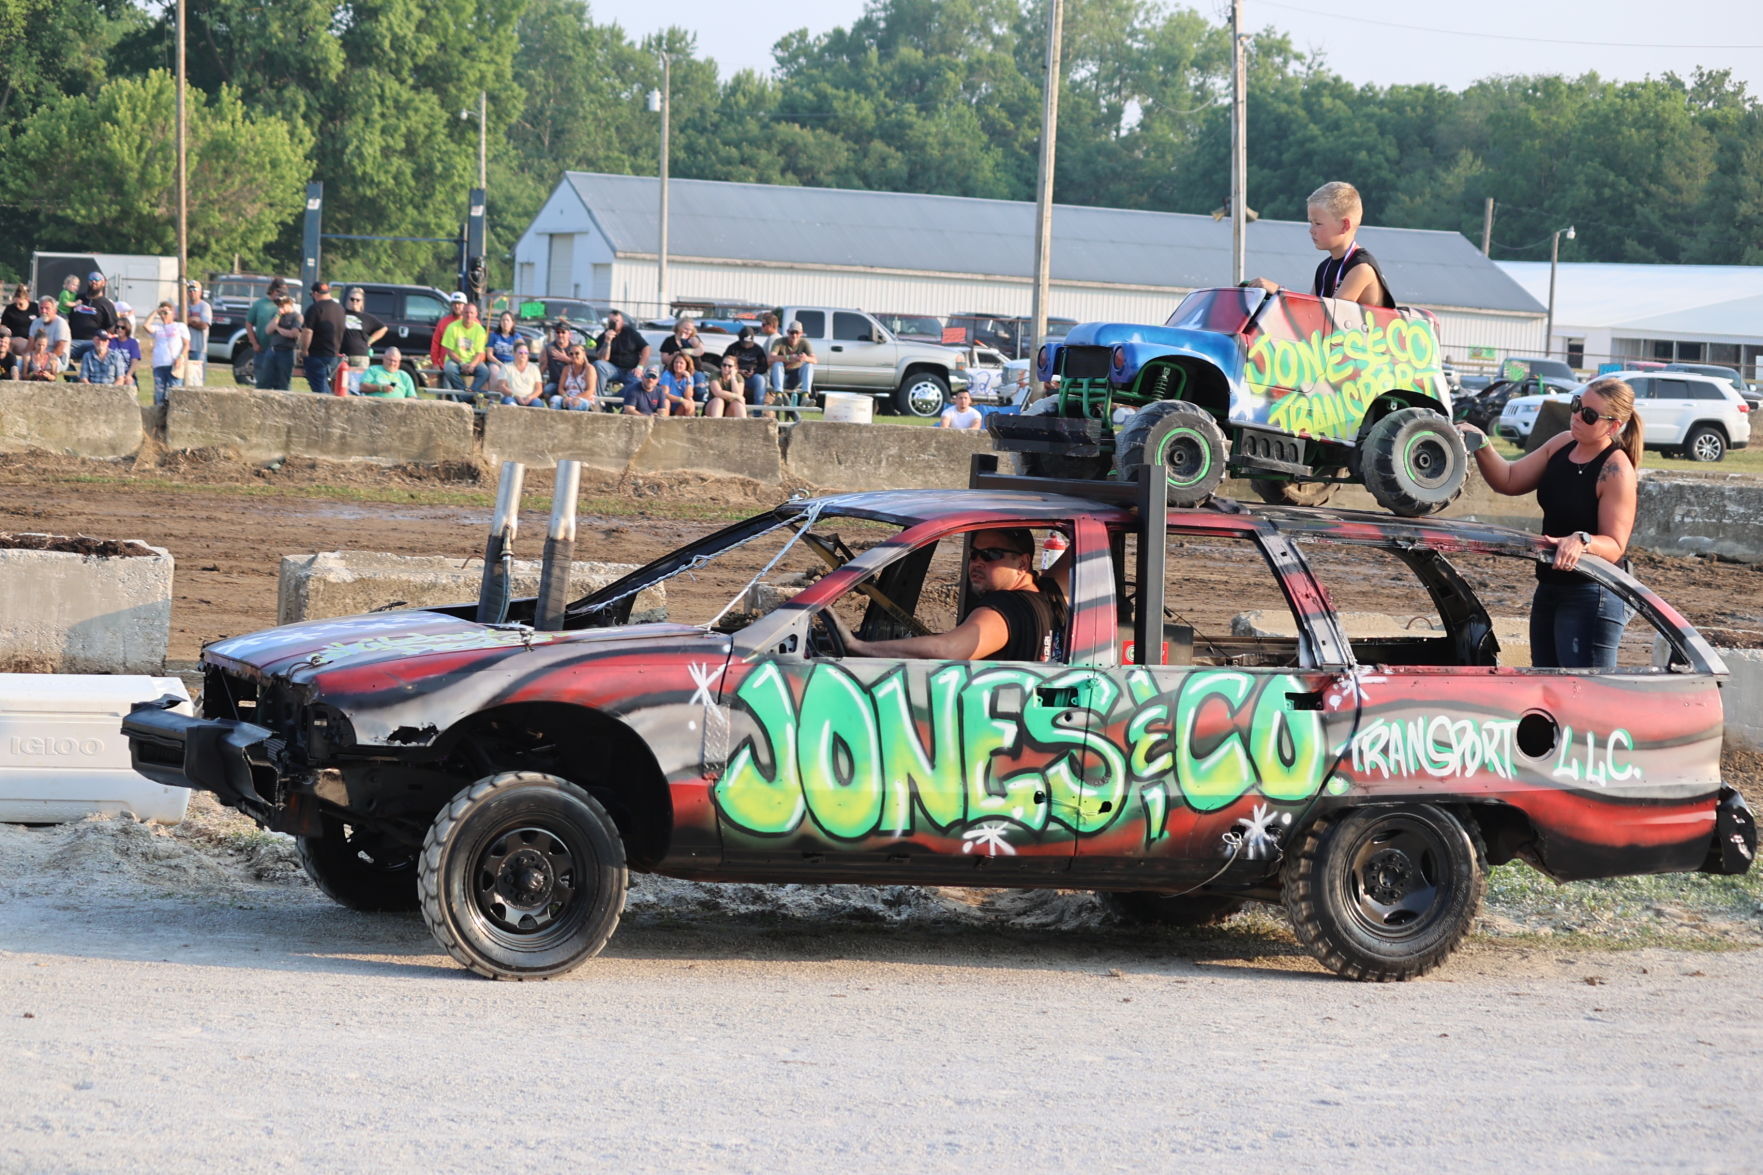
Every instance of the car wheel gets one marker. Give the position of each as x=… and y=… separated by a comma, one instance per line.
x=1182, y=438
x=522, y=876
x=1060, y=465
x=1704, y=443
x=358, y=869
x=1414, y=462
x=1143, y=908
x=1284, y=492
x=1382, y=893
x=922, y=394
x=244, y=367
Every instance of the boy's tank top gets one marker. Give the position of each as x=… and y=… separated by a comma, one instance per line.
x=1331, y=273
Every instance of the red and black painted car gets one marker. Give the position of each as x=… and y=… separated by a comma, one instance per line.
x=1215, y=729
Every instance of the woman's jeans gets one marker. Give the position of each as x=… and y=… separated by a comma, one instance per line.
x=164, y=381
x=1576, y=626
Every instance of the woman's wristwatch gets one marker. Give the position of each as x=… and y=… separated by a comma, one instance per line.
x=1584, y=537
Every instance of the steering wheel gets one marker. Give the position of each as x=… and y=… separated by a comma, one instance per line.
x=824, y=639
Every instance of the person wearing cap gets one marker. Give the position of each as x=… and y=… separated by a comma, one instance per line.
x=557, y=352
x=750, y=357
x=275, y=363
x=51, y=325
x=1017, y=615
x=643, y=395
x=465, y=345
x=792, y=365
x=387, y=379
x=621, y=353
x=455, y=311
x=90, y=316
x=321, y=339
x=261, y=314
x=17, y=317
x=199, y=317
x=103, y=364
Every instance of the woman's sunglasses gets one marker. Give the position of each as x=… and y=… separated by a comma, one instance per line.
x=1589, y=415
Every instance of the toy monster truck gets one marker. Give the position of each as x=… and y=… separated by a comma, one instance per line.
x=1299, y=394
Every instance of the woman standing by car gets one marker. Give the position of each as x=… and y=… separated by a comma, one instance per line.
x=1585, y=481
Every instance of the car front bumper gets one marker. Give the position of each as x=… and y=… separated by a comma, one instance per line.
x=237, y=761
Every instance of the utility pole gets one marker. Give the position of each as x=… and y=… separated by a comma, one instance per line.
x=1044, y=181
x=1487, y=227
x=183, y=181
x=662, y=100
x=483, y=139
x=1239, y=184
x=1554, y=263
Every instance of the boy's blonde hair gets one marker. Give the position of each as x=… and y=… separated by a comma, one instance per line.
x=1338, y=198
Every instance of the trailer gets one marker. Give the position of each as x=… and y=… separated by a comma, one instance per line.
x=141, y=280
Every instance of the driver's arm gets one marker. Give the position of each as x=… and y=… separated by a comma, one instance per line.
x=980, y=635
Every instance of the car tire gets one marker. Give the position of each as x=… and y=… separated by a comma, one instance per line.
x=1144, y=908
x=522, y=876
x=1705, y=443
x=1414, y=462
x=245, y=367
x=923, y=394
x=1385, y=893
x=1060, y=465
x=1184, y=440
x=355, y=868
x=1284, y=492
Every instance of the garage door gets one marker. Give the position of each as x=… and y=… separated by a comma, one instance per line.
x=560, y=274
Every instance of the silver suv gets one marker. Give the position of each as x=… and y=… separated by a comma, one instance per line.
x=1685, y=414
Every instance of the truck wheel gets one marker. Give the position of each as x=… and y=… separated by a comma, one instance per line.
x=922, y=394
x=244, y=368
x=1704, y=443
x=1182, y=438
x=1414, y=462
x=1060, y=465
x=1384, y=893
x=1282, y=492
x=1143, y=908
x=358, y=869
x=522, y=876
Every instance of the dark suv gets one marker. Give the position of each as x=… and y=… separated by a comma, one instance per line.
x=231, y=295
x=409, y=312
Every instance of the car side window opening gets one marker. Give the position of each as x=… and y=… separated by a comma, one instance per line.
x=851, y=327
x=813, y=323
x=380, y=303
x=423, y=308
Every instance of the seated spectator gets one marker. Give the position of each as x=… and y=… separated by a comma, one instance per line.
x=104, y=365
x=753, y=362
x=94, y=314
x=70, y=293
x=727, y=390
x=8, y=361
x=124, y=313
x=501, y=343
x=962, y=414
x=171, y=345
x=557, y=354
x=520, y=382
x=685, y=339
x=578, y=382
x=39, y=363
x=437, y=356
x=792, y=365
x=387, y=379
x=620, y=353
x=17, y=318
x=643, y=395
x=679, y=384
x=127, y=345
x=51, y=325
x=275, y=365
x=464, y=343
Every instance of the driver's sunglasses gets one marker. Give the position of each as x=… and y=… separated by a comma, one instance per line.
x=1589, y=415
x=992, y=554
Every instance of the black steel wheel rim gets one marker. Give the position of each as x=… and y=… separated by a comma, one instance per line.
x=1398, y=881
x=528, y=886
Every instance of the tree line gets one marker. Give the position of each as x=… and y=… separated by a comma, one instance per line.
x=935, y=96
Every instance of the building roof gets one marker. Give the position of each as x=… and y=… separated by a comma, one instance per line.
x=1715, y=302
x=964, y=236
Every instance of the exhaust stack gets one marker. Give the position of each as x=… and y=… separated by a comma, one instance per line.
x=493, y=596
x=559, y=549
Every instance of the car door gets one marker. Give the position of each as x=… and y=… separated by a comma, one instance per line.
x=421, y=311
x=1666, y=408
x=854, y=356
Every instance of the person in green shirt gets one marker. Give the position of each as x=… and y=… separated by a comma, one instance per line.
x=262, y=313
x=387, y=379
x=463, y=346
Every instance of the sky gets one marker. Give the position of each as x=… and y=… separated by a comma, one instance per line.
x=1449, y=44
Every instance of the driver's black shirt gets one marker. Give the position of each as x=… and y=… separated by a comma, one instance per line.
x=1036, y=621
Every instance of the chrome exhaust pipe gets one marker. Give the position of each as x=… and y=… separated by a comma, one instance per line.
x=559, y=549
x=498, y=584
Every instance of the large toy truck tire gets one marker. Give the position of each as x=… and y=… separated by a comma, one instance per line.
x=1059, y=465
x=923, y=394
x=1144, y=908
x=1386, y=892
x=522, y=876
x=1285, y=492
x=1413, y=462
x=1182, y=438
x=355, y=868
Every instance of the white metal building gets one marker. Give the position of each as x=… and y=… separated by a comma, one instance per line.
x=1690, y=313
x=597, y=238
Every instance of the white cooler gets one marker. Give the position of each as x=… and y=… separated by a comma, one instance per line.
x=62, y=753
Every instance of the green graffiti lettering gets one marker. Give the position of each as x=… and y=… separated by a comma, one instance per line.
x=987, y=731
x=1287, y=745
x=911, y=772
x=839, y=756
x=748, y=794
x=1212, y=780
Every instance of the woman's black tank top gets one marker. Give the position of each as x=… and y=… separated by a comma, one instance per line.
x=1568, y=494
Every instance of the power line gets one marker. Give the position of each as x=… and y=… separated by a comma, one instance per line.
x=1414, y=28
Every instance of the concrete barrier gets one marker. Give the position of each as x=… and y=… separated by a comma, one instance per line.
x=348, y=583
x=80, y=613
x=837, y=456
x=79, y=420
x=1700, y=515
x=1742, y=697
x=541, y=438
x=267, y=426
x=739, y=448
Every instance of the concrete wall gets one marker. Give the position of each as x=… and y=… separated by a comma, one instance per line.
x=542, y=438
x=837, y=456
x=80, y=420
x=1742, y=698
x=348, y=583
x=87, y=613
x=1708, y=515
x=267, y=426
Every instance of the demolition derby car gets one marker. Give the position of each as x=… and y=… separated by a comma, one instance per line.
x=1212, y=730
x=1299, y=394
